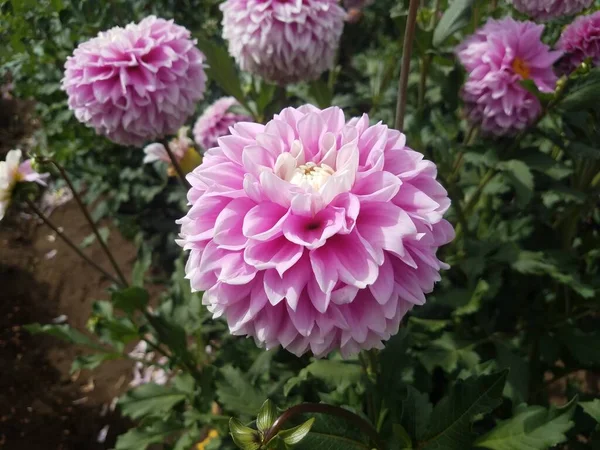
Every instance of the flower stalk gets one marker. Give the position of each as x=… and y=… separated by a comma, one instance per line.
x=69, y=242
x=88, y=217
x=409, y=35
x=180, y=173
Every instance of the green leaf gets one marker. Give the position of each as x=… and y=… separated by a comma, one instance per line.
x=452, y=416
x=141, y=266
x=244, y=437
x=91, y=238
x=585, y=94
x=57, y=5
x=333, y=433
x=320, y=91
x=455, y=17
x=474, y=303
x=582, y=346
x=131, y=299
x=416, y=410
x=521, y=178
x=447, y=352
x=401, y=439
x=266, y=416
x=221, y=68
x=92, y=361
x=141, y=438
x=150, y=400
x=294, y=435
x=592, y=409
x=531, y=428
x=584, y=151
x=65, y=333
x=236, y=393
x=335, y=373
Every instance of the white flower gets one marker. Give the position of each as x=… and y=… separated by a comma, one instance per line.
x=12, y=171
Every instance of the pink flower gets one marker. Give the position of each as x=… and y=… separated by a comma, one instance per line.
x=580, y=40
x=498, y=57
x=182, y=148
x=13, y=171
x=136, y=83
x=313, y=233
x=284, y=41
x=215, y=122
x=550, y=9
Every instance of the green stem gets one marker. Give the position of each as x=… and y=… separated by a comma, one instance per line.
x=88, y=217
x=409, y=35
x=69, y=242
x=320, y=408
x=180, y=174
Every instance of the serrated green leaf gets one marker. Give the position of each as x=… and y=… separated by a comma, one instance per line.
x=266, y=416
x=244, y=437
x=150, y=400
x=92, y=361
x=335, y=373
x=592, y=409
x=236, y=393
x=416, y=410
x=474, y=303
x=531, y=428
x=333, y=433
x=447, y=352
x=520, y=177
x=432, y=325
x=294, y=435
x=141, y=438
x=451, y=418
x=65, y=333
x=131, y=299
x=455, y=17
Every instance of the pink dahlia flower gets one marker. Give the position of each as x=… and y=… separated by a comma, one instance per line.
x=580, y=40
x=215, y=122
x=314, y=233
x=550, y=9
x=136, y=83
x=498, y=57
x=284, y=41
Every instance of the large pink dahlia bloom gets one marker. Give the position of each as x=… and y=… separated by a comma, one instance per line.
x=284, y=41
x=498, y=57
x=216, y=120
x=550, y=9
x=580, y=40
x=313, y=233
x=136, y=83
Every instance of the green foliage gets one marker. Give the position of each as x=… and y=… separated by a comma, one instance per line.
x=531, y=428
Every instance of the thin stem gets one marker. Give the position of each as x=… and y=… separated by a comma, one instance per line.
x=69, y=242
x=63, y=173
x=180, y=174
x=320, y=408
x=409, y=35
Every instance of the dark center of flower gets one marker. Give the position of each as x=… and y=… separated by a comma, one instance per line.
x=311, y=226
x=521, y=68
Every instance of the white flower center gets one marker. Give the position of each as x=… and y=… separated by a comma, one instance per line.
x=312, y=175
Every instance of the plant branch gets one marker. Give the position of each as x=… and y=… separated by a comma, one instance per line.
x=69, y=242
x=320, y=408
x=84, y=210
x=409, y=35
x=180, y=175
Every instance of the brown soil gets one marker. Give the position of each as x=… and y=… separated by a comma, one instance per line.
x=41, y=404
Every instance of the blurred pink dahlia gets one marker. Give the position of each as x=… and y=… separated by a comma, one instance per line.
x=136, y=83
x=580, y=40
x=550, y=9
x=314, y=233
x=284, y=41
x=498, y=57
x=215, y=122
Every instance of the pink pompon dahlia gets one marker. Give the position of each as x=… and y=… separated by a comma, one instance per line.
x=284, y=41
x=550, y=9
x=136, y=83
x=216, y=120
x=580, y=40
x=314, y=233
x=497, y=58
